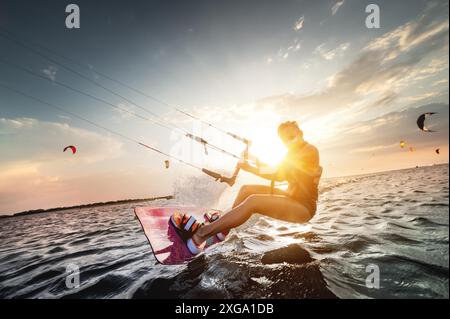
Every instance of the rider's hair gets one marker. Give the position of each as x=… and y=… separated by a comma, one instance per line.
x=287, y=124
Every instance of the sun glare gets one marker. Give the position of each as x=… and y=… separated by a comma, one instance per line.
x=268, y=147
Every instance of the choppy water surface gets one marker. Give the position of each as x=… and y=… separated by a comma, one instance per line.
x=398, y=221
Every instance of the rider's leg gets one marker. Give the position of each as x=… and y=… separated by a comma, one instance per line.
x=275, y=206
x=247, y=190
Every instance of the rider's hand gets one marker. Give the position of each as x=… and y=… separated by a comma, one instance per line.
x=244, y=165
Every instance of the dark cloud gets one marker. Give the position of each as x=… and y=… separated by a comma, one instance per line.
x=384, y=67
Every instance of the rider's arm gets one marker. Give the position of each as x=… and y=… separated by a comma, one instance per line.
x=265, y=172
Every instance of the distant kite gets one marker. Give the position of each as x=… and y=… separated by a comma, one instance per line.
x=73, y=148
x=402, y=144
x=421, y=121
x=437, y=151
x=411, y=149
x=167, y=163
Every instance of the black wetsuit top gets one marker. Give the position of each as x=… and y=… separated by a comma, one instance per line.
x=301, y=169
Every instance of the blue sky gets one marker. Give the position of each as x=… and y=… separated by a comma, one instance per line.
x=243, y=65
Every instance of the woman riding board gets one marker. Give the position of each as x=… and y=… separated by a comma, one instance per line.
x=300, y=168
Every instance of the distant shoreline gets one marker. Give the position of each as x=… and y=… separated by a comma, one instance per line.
x=39, y=211
x=123, y=201
x=388, y=171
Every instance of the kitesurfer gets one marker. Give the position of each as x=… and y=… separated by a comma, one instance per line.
x=421, y=122
x=300, y=168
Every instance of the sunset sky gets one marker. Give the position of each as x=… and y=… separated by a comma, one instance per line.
x=244, y=66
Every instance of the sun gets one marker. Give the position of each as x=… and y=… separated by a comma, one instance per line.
x=267, y=147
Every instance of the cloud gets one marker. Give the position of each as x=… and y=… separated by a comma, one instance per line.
x=336, y=7
x=376, y=148
x=390, y=65
x=330, y=54
x=382, y=134
x=420, y=97
x=423, y=31
x=35, y=173
x=50, y=72
x=299, y=23
x=26, y=185
x=386, y=75
x=126, y=111
x=374, y=145
x=441, y=82
x=42, y=141
x=64, y=117
x=284, y=53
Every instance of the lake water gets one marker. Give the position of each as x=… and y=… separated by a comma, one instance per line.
x=394, y=222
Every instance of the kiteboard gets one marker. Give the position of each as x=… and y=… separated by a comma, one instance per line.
x=166, y=244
